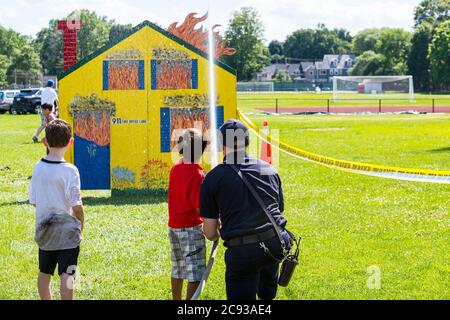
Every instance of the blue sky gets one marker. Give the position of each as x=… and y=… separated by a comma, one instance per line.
x=280, y=17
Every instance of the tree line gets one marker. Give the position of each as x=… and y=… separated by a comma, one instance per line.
x=32, y=57
x=423, y=53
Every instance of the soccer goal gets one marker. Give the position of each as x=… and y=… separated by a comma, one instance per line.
x=398, y=87
x=255, y=86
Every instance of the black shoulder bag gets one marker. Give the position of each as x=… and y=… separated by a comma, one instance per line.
x=289, y=260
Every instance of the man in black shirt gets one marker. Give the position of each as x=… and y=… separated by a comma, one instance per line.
x=244, y=226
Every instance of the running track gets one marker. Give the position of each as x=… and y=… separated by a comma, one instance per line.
x=428, y=109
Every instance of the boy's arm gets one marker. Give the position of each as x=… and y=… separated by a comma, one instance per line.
x=78, y=212
x=75, y=198
x=211, y=229
x=32, y=191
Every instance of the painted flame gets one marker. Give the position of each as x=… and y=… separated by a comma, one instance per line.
x=199, y=37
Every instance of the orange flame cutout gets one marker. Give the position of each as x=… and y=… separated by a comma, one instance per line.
x=199, y=37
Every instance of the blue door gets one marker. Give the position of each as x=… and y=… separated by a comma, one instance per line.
x=92, y=148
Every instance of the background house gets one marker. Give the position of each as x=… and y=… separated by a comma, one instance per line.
x=269, y=72
x=333, y=65
x=319, y=71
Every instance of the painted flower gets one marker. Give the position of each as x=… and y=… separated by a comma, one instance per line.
x=123, y=178
x=155, y=175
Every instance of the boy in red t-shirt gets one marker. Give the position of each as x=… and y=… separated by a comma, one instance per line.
x=188, y=254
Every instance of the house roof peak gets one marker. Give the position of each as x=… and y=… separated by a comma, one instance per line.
x=145, y=23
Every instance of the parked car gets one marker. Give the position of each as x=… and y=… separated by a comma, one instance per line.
x=28, y=100
x=6, y=99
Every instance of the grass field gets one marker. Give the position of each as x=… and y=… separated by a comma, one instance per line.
x=253, y=102
x=416, y=141
x=348, y=222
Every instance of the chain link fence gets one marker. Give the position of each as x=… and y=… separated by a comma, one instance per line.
x=22, y=79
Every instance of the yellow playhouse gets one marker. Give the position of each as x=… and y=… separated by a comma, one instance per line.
x=127, y=100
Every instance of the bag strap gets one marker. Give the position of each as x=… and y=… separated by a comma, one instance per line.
x=263, y=206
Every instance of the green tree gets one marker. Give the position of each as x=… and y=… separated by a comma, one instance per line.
x=282, y=76
x=49, y=45
x=276, y=51
x=395, y=46
x=21, y=56
x=344, y=35
x=10, y=41
x=276, y=58
x=245, y=33
x=369, y=63
x=300, y=45
x=315, y=43
x=432, y=11
x=119, y=31
x=391, y=44
x=4, y=64
x=27, y=59
x=93, y=35
x=366, y=40
x=276, y=47
x=439, y=55
x=95, y=31
x=418, y=60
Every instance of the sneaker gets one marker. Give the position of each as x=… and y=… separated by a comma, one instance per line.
x=35, y=140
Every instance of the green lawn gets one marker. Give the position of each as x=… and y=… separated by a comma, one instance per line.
x=348, y=222
x=416, y=141
x=252, y=102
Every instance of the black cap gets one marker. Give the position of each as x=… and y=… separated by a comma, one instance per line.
x=238, y=131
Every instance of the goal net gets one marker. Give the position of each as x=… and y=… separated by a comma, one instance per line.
x=395, y=87
x=254, y=86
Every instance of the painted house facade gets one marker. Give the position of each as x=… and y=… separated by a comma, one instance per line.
x=129, y=102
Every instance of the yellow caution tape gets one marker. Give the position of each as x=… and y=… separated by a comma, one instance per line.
x=349, y=165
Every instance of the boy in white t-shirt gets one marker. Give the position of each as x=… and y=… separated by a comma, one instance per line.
x=55, y=192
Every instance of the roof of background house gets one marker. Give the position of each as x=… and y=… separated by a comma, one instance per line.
x=271, y=69
x=321, y=65
x=288, y=67
x=329, y=58
x=307, y=65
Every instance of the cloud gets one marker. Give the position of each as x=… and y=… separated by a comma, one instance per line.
x=354, y=15
x=280, y=17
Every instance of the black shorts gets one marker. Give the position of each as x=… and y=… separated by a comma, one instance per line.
x=66, y=260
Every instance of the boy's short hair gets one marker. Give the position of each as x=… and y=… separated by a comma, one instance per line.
x=47, y=106
x=191, y=145
x=58, y=133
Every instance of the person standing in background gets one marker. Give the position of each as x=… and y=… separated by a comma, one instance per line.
x=48, y=96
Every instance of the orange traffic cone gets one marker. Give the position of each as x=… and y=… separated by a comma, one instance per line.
x=266, y=148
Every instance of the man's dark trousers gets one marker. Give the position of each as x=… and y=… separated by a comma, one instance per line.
x=250, y=271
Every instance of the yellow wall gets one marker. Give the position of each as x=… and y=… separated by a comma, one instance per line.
x=132, y=145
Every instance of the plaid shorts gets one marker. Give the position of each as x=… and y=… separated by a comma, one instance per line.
x=188, y=254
